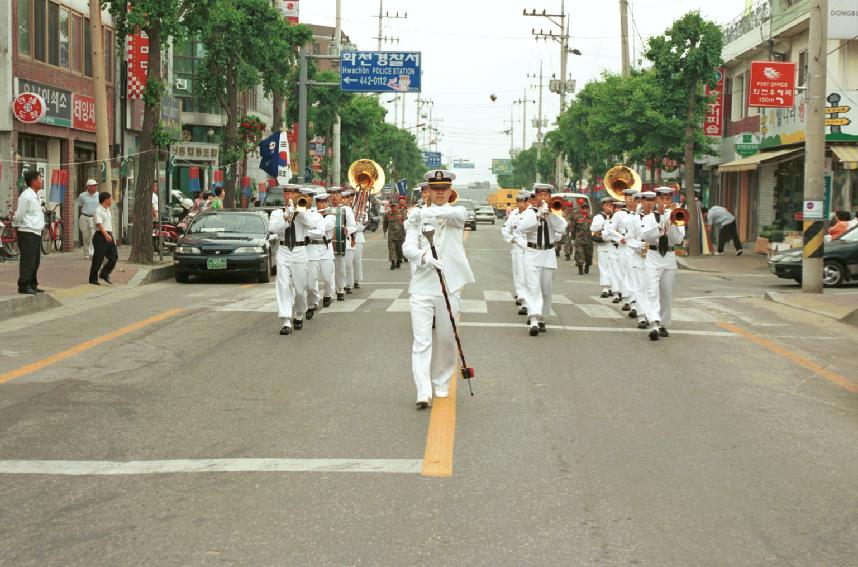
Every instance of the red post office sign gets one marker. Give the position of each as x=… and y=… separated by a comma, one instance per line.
x=29, y=108
x=772, y=84
x=83, y=112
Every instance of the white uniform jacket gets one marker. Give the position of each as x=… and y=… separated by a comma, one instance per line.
x=530, y=226
x=510, y=232
x=449, y=223
x=652, y=227
x=598, y=225
x=306, y=226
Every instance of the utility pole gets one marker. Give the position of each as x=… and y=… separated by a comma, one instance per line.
x=814, y=148
x=523, y=102
x=102, y=126
x=302, y=113
x=336, y=170
x=382, y=15
x=624, y=36
x=538, y=123
x=510, y=131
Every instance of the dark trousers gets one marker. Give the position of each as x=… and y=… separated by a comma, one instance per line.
x=727, y=232
x=29, y=245
x=102, y=249
x=394, y=250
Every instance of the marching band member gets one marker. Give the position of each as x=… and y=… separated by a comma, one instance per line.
x=413, y=215
x=602, y=244
x=539, y=226
x=517, y=243
x=323, y=251
x=621, y=223
x=348, y=200
x=359, y=244
x=660, y=235
x=433, y=362
x=312, y=257
x=637, y=272
x=613, y=250
x=293, y=227
x=344, y=227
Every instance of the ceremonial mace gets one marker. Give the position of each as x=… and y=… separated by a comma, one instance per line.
x=467, y=371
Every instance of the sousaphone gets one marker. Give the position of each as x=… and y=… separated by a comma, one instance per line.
x=619, y=178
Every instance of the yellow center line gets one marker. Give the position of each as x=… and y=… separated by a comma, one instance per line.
x=84, y=346
x=783, y=352
x=438, y=457
x=247, y=285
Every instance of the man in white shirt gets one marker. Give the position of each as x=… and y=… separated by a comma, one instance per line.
x=29, y=220
x=723, y=221
x=103, y=244
x=540, y=227
x=433, y=361
x=517, y=243
x=87, y=202
x=155, y=201
x=597, y=228
x=345, y=227
x=324, y=248
x=357, y=249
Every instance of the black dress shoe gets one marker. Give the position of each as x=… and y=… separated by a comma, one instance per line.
x=518, y=302
x=27, y=291
x=348, y=291
x=405, y=260
x=286, y=330
x=107, y=279
x=580, y=270
x=605, y=294
x=357, y=285
x=522, y=310
x=633, y=314
x=662, y=331
x=534, y=330
x=298, y=323
x=587, y=269
x=309, y=314
x=626, y=307
x=542, y=327
x=616, y=299
x=326, y=302
x=341, y=297
x=642, y=324
x=653, y=335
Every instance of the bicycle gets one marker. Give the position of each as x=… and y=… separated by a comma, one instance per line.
x=52, y=234
x=8, y=238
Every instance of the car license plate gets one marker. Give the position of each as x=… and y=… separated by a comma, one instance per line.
x=216, y=263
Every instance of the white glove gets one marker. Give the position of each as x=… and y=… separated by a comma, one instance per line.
x=543, y=210
x=434, y=262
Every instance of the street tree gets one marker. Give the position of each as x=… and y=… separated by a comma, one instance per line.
x=685, y=59
x=247, y=43
x=162, y=22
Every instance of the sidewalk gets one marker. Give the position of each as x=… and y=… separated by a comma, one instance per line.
x=66, y=275
x=727, y=262
x=842, y=306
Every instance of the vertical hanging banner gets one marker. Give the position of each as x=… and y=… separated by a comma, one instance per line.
x=194, y=179
x=217, y=178
x=138, y=64
x=246, y=192
x=713, y=124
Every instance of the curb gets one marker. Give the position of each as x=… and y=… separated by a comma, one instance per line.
x=150, y=274
x=18, y=305
x=850, y=318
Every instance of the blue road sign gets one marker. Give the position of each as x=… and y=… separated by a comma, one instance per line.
x=380, y=71
x=432, y=159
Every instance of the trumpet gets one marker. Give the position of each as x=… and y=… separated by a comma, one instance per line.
x=299, y=207
x=556, y=205
x=679, y=216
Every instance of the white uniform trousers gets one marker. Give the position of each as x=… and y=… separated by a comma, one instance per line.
x=433, y=354
x=326, y=277
x=518, y=273
x=614, y=262
x=627, y=260
x=604, y=267
x=291, y=289
x=638, y=274
x=659, y=291
x=312, y=283
x=350, y=267
x=539, y=282
x=357, y=262
x=340, y=273
x=87, y=231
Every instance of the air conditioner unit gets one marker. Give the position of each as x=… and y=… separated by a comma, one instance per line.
x=180, y=85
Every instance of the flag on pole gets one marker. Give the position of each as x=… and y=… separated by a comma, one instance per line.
x=274, y=157
x=402, y=187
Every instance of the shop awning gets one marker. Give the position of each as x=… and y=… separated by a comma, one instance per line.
x=752, y=162
x=848, y=156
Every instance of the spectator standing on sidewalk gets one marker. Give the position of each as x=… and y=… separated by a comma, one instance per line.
x=217, y=202
x=29, y=220
x=88, y=202
x=725, y=223
x=155, y=201
x=103, y=242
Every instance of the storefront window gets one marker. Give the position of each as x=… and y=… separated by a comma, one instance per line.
x=40, y=17
x=53, y=34
x=77, y=43
x=24, y=27
x=64, y=37
x=789, y=192
x=844, y=190
x=32, y=147
x=87, y=49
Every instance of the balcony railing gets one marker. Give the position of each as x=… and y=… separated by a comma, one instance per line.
x=747, y=21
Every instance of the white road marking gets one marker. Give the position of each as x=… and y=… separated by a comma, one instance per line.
x=467, y=306
x=386, y=293
x=400, y=306
x=384, y=283
x=79, y=468
x=560, y=299
x=497, y=295
x=347, y=306
x=600, y=311
x=691, y=314
x=598, y=329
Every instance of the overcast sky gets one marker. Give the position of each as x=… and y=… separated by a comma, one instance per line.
x=474, y=48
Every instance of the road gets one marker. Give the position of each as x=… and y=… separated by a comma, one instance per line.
x=171, y=425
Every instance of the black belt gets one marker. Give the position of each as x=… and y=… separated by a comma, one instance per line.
x=616, y=245
x=320, y=242
x=86, y=215
x=538, y=247
x=655, y=247
x=283, y=243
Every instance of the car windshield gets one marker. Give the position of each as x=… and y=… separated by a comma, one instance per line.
x=849, y=236
x=228, y=223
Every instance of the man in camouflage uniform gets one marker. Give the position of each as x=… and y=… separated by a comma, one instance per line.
x=394, y=226
x=579, y=232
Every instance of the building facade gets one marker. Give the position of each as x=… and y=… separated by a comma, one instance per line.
x=760, y=171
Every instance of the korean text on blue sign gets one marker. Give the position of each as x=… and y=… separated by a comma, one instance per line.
x=380, y=71
x=432, y=159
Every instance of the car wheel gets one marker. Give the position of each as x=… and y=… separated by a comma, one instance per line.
x=265, y=275
x=833, y=273
x=181, y=277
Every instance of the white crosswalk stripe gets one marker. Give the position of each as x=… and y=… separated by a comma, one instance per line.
x=386, y=293
x=599, y=311
x=468, y=306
